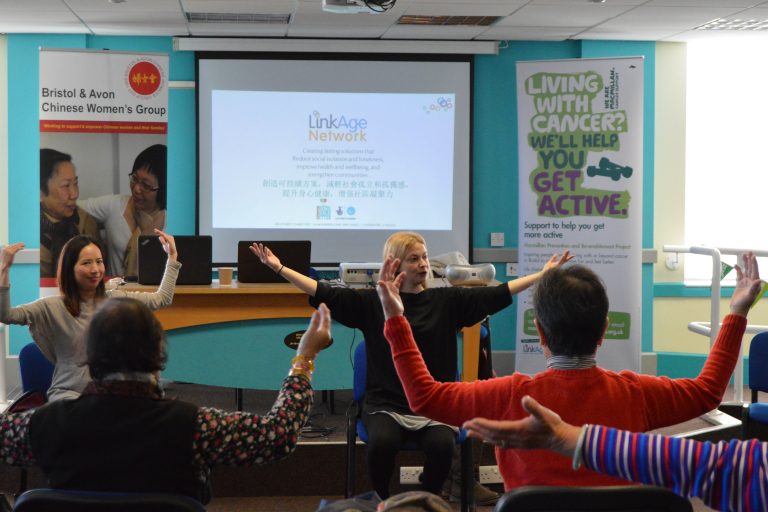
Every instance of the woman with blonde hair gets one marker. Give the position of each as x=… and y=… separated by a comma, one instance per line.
x=436, y=314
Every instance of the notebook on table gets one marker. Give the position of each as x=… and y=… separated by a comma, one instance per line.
x=195, y=253
x=294, y=254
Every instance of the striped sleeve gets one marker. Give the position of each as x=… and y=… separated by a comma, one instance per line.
x=729, y=475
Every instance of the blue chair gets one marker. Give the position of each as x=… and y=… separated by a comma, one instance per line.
x=755, y=415
x=356, y=429
x=36, y=370
x=36, y=375
x=60, y=500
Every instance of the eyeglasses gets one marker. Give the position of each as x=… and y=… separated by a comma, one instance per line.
x=146, y=187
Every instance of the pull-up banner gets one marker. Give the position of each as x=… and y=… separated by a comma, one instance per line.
x=103, y=155
x=580, y=142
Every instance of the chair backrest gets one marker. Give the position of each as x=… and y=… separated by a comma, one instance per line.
x=625, y=498
x=758, y=362
x=36, y=370
x=60, y=500
x=359, y=369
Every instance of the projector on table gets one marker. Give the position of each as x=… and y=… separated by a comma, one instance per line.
x=357, y=6
x=359, y=275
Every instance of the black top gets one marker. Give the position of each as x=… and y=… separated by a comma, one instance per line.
x=118, y=443
x=436, y=315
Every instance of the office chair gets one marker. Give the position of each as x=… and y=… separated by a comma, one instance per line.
x=356, y=428
x=754, y=420
x=61, y=500
x=36, y=375
x=624, y=498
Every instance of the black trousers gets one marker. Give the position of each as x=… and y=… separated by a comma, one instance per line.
x=385, y=439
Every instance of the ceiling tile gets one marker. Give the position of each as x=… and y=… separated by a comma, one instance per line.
x=583, y=15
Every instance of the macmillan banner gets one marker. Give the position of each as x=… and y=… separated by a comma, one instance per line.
x=103, y=154
x=580, y=142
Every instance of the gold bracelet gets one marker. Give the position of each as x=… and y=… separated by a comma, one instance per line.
x=295, y=372
x=309, y=362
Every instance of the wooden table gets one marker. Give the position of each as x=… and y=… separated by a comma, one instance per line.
x=230, y=317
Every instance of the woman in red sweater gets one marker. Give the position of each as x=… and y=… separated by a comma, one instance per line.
x=571, y=309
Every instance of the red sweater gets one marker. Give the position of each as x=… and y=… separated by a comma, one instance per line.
x=624, y=400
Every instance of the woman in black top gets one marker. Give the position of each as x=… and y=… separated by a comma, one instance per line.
x=436, y=315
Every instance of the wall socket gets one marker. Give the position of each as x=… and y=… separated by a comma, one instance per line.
x=511, y=269
x=410, y=474
x=490, y=475
x=497, y=239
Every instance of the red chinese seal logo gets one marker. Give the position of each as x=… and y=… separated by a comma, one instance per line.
x=144, y=78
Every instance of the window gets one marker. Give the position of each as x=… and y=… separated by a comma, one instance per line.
x=726, y=175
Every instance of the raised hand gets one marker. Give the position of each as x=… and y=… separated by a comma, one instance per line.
x=557, y=260
x=7, y=255
x=388, y=287
x=168, y=243
x=543, y=429
x=318, y=334
x=748, y=285
x=265, y=255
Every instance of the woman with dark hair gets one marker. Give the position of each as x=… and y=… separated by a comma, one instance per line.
x=125, y=218
x=57, y=323
x=122, y=435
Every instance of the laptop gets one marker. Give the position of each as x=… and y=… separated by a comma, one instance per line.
x=195, y=253
x=294, y=254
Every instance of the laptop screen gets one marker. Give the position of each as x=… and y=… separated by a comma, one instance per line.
x=294, y=254
x=194, y=254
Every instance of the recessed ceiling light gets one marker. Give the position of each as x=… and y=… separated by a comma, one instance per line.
x=116, y=1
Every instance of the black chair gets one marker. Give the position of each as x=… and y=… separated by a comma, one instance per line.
x=754, y=419
x=60, y=500
x=625, y=498
x=356, y=428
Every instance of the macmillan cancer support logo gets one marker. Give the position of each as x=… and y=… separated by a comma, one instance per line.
x=144, y=78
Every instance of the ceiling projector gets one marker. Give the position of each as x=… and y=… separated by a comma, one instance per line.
x=357, y=6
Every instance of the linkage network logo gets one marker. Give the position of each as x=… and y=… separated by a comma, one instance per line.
x=336, y=128
x=441, y=104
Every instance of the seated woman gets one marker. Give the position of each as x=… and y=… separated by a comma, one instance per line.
x=57, y=323
x=125, y=218
x=122, y=435
x=437, y=314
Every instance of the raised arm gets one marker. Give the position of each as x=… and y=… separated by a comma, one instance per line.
x=521, y=283
x=244, y=439
x=543, y=429
x=672, y=401
x=163, y=297
x=726, y=475
x=300, y=281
